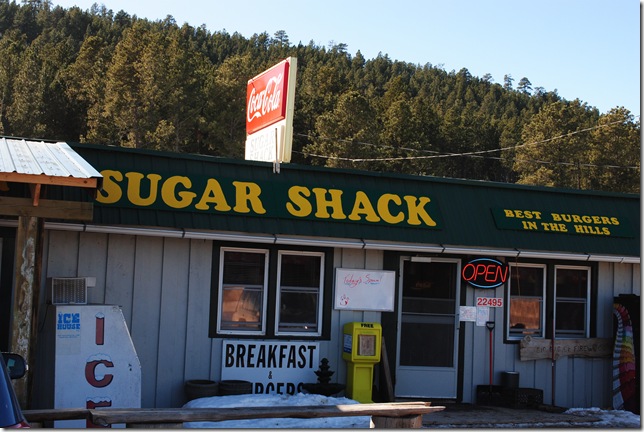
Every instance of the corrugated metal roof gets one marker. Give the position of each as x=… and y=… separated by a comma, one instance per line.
x=27, y=158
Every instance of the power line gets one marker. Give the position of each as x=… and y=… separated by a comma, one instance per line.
x=466, y=154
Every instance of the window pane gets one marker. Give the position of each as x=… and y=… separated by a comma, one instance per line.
x=241, y=308
x=429, y=287
x=242, y=291
x=299, y=293
x=436, y=338
x=298, y=311
x=525, y=316
x=244, y=268
x=526, y=301
x=526, y=281
x=571, y=319
x=572, y=283
x=571, y=306
x=300, y=270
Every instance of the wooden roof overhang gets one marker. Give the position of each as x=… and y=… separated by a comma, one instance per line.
x=38, y=164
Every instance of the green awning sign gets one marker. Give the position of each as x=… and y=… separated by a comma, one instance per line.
x=277, y=199
x=557, y=222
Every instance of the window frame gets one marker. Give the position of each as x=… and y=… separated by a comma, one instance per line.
x=271, y=300
x=586, y=302
x=320, y=294
x=550, y=299
x=262, y=329
x=543, y=302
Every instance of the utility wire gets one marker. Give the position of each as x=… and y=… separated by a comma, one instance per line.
x=466, y=154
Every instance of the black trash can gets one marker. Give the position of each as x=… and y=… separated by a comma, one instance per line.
x=510, y=379
x=196, y=389
x=235, y=387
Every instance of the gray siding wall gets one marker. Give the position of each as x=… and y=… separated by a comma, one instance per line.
x=163, y=286
x=579, y=382
x=356, y=259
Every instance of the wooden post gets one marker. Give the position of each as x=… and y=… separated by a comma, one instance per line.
x=386, y=373
x=414, y=421
x=24, y=321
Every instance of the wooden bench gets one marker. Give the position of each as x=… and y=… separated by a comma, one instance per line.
x=383, y=415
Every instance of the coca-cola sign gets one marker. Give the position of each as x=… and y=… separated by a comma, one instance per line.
x=266, y=97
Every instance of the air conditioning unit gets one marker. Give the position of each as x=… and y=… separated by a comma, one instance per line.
x=68, y=290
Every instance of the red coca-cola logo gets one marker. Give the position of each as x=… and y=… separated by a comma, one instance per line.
x=266, y=97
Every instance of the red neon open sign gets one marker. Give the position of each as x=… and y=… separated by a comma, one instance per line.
x=485, y=273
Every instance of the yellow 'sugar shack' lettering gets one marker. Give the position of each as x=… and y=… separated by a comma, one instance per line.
x=178, y=192
x=328, y=204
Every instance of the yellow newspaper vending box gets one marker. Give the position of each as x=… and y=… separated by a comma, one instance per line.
x=361, y=351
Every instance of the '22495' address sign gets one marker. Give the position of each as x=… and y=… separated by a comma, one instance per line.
x=485, y=273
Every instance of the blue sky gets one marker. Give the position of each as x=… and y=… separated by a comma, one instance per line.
x=588, y=50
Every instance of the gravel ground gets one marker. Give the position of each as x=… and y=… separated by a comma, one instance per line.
x=488, y=417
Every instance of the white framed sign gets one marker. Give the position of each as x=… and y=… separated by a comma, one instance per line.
x=273, y=367
x=358, y=289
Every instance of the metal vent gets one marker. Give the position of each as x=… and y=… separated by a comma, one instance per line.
x=69, y=290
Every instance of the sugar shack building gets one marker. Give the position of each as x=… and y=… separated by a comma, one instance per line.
x=185, y=268
x=229, y=270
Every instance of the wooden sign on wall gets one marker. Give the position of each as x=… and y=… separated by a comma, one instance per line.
x=536, y=349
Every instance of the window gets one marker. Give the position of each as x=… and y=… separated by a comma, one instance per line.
x=270, y=292
x=527, y=293
x=299, y=292
x=539, y=292
x=572, y=290
x=243, y=283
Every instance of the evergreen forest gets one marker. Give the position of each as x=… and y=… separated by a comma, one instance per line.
x=104, y=77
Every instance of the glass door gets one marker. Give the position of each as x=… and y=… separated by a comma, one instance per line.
x=427, y=349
